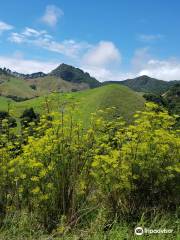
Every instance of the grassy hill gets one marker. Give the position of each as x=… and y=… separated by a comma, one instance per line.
x=146, y=84
x=125, y=100
x=18, y=88
x=47, y=84
x=15, y=87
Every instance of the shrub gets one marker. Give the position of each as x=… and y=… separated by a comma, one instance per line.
x=141, y=170
x=63, y=171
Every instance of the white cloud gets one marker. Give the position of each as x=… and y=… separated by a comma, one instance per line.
x=17, y=38
x=26, y=66
x=143, y=63
x=30, y=32
x=162, y=69
x=5, y=27
x=101, y=60
x=51, y=16
x=27, y=35
x=42, y=39
x=69, y=48
x=107, y=74
x=150, y=37
x=102, y=54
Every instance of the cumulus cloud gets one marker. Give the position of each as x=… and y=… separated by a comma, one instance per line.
x=101, y=61
x=102, y=54
x=52, y=15
x=143, y=63
x=162, y=69
x=26, y=66
x=5, y=27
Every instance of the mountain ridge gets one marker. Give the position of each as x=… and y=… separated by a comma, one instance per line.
x=146, y=84
x=66, y=78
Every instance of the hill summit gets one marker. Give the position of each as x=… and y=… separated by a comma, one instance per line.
x=75, y=75
x=147, y=84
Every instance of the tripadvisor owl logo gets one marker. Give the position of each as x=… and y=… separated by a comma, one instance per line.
x=139, y=231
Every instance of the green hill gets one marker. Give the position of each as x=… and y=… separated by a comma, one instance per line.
x=48, y=84
x=146, y=84
x=19, y=89
x=125, y=100
x=14, y=87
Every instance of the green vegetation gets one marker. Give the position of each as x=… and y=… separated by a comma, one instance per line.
x=146, y=84
x=64, y=78
x=76, y=75
x=15, y=87
x=170, y=100
x=48, y=84
x=58, y=180
x=172, y=96
x=123, y=99
x=18, y=88
x=91, y=164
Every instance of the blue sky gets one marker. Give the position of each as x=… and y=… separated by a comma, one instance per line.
x=113, y=40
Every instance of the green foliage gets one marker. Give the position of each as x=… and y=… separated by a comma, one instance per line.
x=29, y=116
x=158, y=99
x=170, y=100
x=140, y=170
x=173, y=99
x=4, y=116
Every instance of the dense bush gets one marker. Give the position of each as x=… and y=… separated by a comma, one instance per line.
x=65, y=173
x=29, y=116
x=6, y=122
x=139, y=170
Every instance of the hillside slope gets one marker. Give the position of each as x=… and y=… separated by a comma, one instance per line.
x=18, y=88
x=89, y=101
x=14, y=87
x=48, y=84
